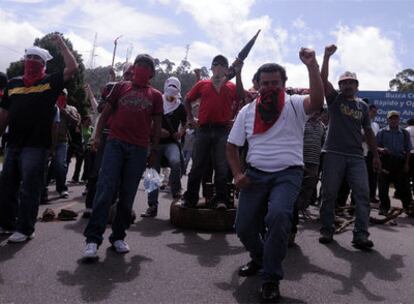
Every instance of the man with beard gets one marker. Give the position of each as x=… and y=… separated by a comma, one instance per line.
x=344, y=156
x=28, y=108
x=272, y=125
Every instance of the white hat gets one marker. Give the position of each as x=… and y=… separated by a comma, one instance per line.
x=42, y=53
x=172, y=81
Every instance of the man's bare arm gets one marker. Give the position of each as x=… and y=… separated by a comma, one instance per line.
x=315, y=100
x=71, y=65
x=329, y=51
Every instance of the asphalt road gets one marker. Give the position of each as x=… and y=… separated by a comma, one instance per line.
x=170, y=265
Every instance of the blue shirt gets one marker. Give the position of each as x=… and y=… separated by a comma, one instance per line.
x=396, y=141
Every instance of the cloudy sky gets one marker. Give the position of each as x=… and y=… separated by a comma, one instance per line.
x=374, y=38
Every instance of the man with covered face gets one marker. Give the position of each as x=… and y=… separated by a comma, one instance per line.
x=28, y=108
x=135, y=108
x=173, y=129
x=344, y=158
x=218, y=105
x=272, y=124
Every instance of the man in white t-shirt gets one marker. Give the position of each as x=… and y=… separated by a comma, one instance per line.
x=273, y=126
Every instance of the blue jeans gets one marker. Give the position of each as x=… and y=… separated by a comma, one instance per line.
x=208, y=140
x=336, y=167
x=60, y=166
x=22, y=181
x=270, y=198
x=122, y=167
x=172, y=153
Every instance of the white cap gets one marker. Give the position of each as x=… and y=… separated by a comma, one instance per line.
x=42, y=53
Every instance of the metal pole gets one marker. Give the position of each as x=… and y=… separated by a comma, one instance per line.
x=115, y=44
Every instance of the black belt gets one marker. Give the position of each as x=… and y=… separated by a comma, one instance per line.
x=261, y=171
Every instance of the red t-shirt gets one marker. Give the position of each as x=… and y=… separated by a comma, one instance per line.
x=215, y=108
x=132, y=111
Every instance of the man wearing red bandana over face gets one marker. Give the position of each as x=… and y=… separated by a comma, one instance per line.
x=135, y=108
x=273, y=126
x=28, y=108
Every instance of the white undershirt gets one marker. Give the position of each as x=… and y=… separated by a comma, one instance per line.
x=279, y=147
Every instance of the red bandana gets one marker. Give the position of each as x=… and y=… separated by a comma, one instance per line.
x=142, y=76
x=269, y=105
x=33, y=72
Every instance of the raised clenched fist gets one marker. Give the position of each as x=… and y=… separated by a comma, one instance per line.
x=330, y=50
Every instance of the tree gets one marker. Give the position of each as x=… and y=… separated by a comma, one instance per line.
x=403, y=81
x=97, y=78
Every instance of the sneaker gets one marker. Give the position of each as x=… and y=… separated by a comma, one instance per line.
x=5, y=231
x=221, y=206
x=270, y=292
x=18, y=237
x=326, y=238
x=87, y=213
x=120, y=246
x=362, y=243
x=150, y=212
x=91, y=251
x=64, y=194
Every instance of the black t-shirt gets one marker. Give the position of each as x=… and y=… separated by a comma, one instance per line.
x=31, y=110
x=171, y=122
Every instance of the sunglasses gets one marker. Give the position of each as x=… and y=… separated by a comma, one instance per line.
x=217, y=63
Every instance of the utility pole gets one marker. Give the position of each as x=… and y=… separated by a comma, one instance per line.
x=92, y=59
x=187, y=50
x=115, y=44
x=129, y=52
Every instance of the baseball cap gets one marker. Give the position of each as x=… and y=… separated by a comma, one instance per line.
x=393, y=113
x=220, y=60
x=348, y=75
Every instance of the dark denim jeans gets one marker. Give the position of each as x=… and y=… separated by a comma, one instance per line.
x=208, y=140
x=336, y=167
x=60, y=166
x=22, y=181
x=172, y=153
x=96, y=163
x=270, y=196
x=122, y=167
x=394, y=173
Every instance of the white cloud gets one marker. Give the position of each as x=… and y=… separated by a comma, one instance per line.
x=26, y=1
x=109, y=19
x=299, y=24
x=366, y=51
x=14, y=40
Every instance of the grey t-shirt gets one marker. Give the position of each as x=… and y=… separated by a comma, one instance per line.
x=346, y=120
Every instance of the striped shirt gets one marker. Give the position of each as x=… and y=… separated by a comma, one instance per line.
x=312, y=141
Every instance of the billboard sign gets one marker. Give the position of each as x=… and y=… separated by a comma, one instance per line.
x=385, y=101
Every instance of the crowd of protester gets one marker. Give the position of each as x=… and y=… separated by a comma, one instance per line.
x=274, y=143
